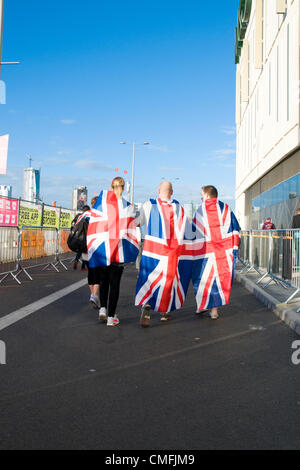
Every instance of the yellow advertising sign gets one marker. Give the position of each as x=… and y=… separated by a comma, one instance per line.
x=30, y=215
x=51, y=217
x=66, y=218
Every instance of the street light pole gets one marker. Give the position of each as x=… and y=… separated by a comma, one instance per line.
x=1, y=37
x=132, y=175
x=133, y=165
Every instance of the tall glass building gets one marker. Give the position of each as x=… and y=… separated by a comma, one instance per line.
x=31, y=187
x=267, y=112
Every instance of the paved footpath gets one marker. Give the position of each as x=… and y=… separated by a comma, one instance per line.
x=72, y=383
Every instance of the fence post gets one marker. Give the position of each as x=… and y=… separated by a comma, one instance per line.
x=42, y=221
x=21, y=269
x=251, y=248
x=19, y=211
x=19, y=248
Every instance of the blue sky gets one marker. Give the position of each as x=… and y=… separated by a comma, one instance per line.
x=97, y=72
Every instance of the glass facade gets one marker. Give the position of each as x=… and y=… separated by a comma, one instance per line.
x=280, y=203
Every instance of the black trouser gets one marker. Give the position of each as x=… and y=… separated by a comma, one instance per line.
x=92, y=276
x=109, y=280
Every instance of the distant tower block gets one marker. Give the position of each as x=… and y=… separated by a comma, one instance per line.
x=79, y=199
x=31, y=189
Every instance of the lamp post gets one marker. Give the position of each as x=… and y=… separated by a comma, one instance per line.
x=134, y=144
x=1, y=37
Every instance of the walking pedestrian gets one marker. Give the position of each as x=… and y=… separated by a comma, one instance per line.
x=112, y=241
x=92, y=277
x=215, y=252
x=84, y=265
x=166, y=262
x=268, y=224
x=296, y=219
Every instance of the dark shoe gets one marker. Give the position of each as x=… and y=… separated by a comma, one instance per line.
x=75, y=264
x=145, y=316
x=199, y=312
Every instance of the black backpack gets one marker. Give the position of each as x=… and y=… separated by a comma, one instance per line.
x=77, y=237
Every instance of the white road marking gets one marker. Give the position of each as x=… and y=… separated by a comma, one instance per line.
x=24, y=312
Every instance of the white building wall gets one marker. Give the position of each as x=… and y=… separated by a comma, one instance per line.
x=5, y=191
x=268, y=112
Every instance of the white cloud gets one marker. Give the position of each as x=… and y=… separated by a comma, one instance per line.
x=68, y=121
x=228, y=130
x=161, y=148
x=166, y=168
x=228, y=151
x=57, y=161
x=224, y=155
x=92, y=165
x=228, y=165
x=64, y=152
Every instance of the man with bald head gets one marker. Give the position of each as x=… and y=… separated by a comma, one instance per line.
x=166, y=263
x=165, y=190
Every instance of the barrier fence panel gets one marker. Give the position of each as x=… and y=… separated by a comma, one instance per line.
x=9, y=237
x=9, y=246
x=274, y=254
x=38, y=247
x=261, y=249
x=295, y=262
x=244, y=249
x=32, y=235
x=64, y=254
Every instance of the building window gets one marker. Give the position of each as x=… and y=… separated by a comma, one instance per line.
x=280, y=203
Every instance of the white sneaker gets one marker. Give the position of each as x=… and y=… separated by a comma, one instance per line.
x=95, y=301
x=113, y=321
x=103, y=314
x=214, y=316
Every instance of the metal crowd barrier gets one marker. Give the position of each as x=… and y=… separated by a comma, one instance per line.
x=31, y=247
x=9, y=249
x=64, y=254
x=244, y=249
x=274, y=254
x=38, y=247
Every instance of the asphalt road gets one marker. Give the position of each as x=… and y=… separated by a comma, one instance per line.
x=194, y=383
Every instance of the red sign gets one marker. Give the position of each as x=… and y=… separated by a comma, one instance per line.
x=9, y=210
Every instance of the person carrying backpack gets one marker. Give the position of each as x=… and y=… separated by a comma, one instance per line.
x=84, y=265
x=112, y=241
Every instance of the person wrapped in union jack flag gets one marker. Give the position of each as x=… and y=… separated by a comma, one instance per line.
x=112, y=240
x=215, y=251
x=167, y=257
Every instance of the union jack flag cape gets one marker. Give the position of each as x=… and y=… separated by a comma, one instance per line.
x=215, y=251
x=112, y=236
x=166, y=264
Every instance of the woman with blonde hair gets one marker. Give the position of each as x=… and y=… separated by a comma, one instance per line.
x=112, y=241
x=92, y=277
